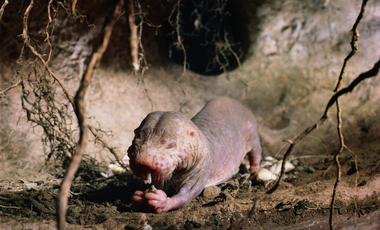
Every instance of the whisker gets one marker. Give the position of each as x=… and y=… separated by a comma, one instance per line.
x=192, y=150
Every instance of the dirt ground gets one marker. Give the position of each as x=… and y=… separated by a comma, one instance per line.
x=290, y=68
x=28, y=199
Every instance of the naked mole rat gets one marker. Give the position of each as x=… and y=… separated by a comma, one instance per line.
x=181, y=156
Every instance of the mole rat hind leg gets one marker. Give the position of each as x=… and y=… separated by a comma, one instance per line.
x=254, y=156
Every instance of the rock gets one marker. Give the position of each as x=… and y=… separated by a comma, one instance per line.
x=211, y=192
x=270, y=46
x=276, y=168
x=264, y=176
x=310, y=169
x=191, y=224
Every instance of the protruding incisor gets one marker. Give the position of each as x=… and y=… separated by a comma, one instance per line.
x=147, y=178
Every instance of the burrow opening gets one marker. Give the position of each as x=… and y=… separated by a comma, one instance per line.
x=214, y=36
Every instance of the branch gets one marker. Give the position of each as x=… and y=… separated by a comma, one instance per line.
x=4, y=92
x=3, y=8
x=80, y=112
x=354, y=43
x=47, y=32
x=134, y=38
x=179, y=43
x=336, y=158
x=73, y=7
x=354, y=50
x=27, y=43
x=371, y=73
x=105, y=145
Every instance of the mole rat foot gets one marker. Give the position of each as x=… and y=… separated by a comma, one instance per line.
x=158, y=200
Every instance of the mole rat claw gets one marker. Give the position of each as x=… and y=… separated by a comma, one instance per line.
x=151, y=189
x=147, y=178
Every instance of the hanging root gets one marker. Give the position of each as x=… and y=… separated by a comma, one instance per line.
x=80, y=112
x=333, y=100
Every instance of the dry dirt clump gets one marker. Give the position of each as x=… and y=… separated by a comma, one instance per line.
x=281, y=59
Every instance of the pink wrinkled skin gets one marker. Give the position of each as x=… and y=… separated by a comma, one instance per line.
x=184, y=156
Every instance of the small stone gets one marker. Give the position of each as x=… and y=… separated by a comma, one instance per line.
x=31, y=185
x=211, y=192
x=191, y=224
x=264, y=176
x=294, y=162
x=300, y=168
x=270, y=159
x=276, y=168
x=310, y=169
x=270, y=46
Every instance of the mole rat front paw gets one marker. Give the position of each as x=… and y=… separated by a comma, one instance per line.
x=139, y=201
x=158, y=200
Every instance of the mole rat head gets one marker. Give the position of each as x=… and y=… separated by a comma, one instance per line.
x=163, y=145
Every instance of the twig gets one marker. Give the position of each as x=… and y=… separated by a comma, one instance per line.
x=3, y=8
x=80, y=112
x=178, y=33
x=73, y=7
x=12, y=207
x=354, y=50
x=371, y=73
x=4, y=92
x=336, y=158
x=231, y=50
x=354, y=44
x=48, y=115
x=47, y=32
x=134, y=38
x=105, y=145
x=27, y=43
x=138, y=59
x=142, y=60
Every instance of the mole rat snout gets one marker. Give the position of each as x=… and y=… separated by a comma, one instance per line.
x=152, y=167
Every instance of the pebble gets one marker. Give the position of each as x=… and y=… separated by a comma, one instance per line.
x=310, y=169
x=264, y=175
x=191, y=224
x=211, y=192
x=276, y=168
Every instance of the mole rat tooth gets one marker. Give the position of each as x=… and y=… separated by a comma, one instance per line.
x=147, y=178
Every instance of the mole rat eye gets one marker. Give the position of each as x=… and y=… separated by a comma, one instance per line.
x=192, y=133
x=171, y=145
